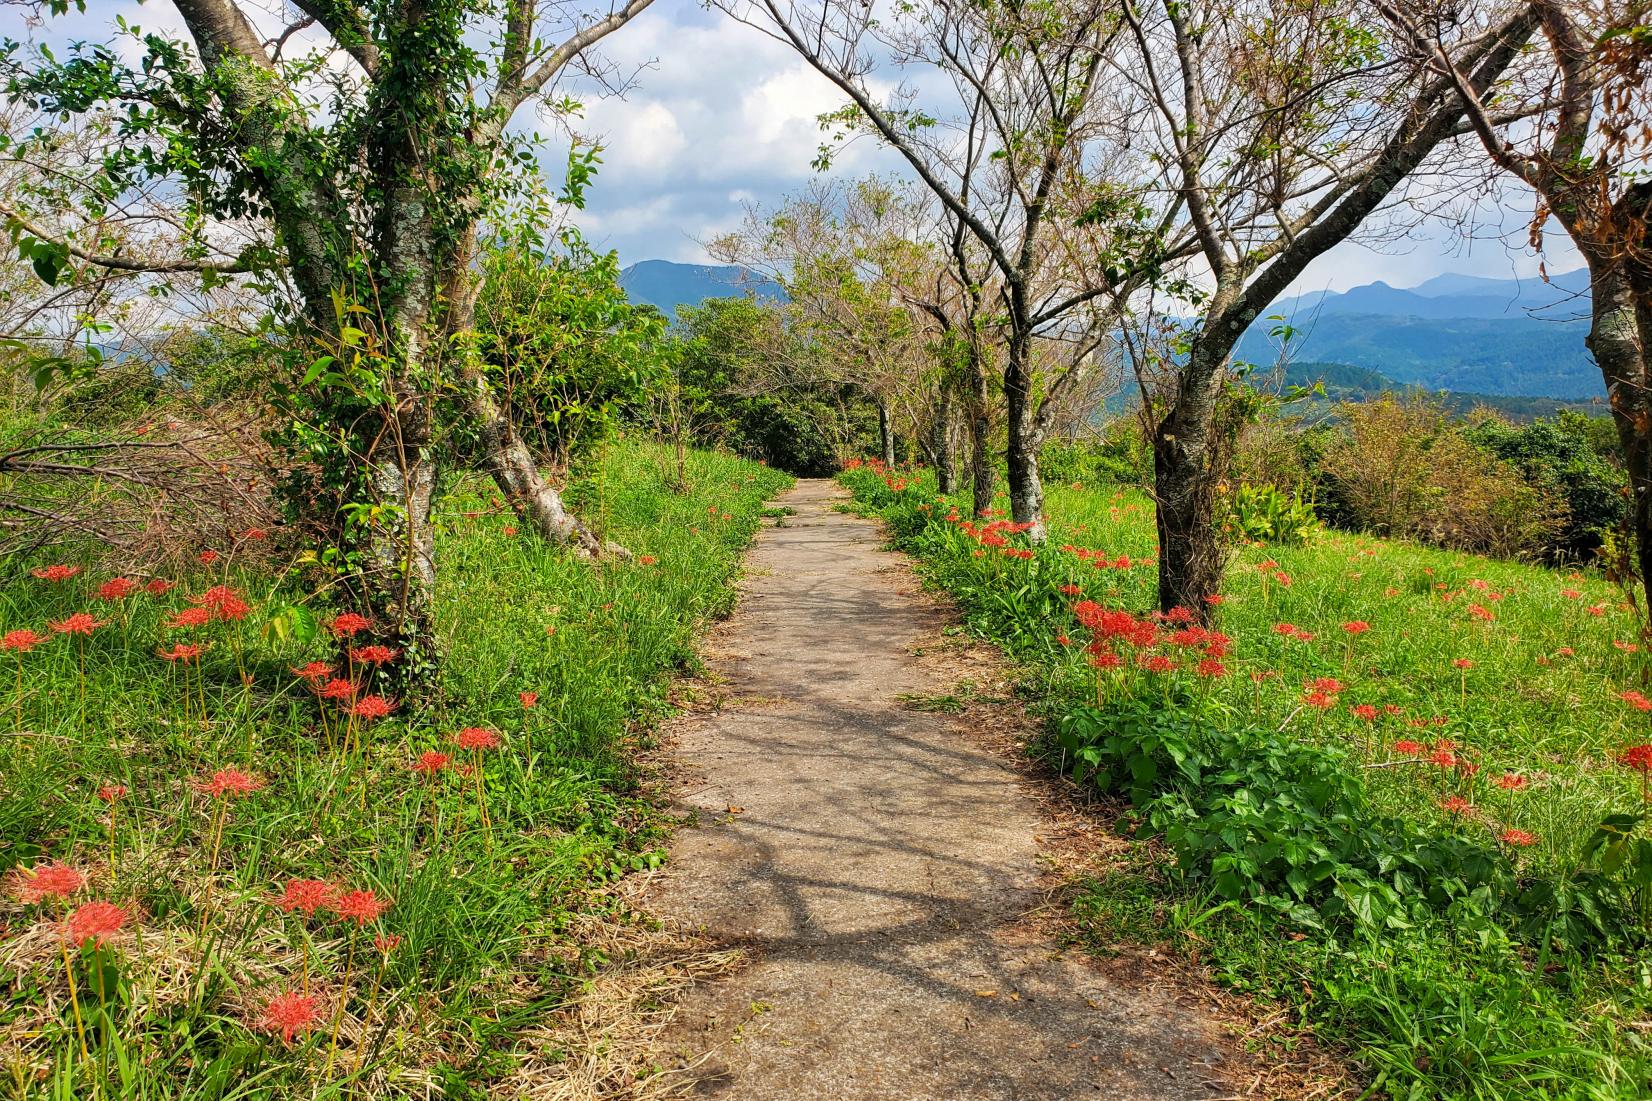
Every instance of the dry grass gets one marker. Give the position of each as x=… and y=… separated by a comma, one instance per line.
x=604, y=1043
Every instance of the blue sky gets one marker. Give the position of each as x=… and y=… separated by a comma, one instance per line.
x=719, y=115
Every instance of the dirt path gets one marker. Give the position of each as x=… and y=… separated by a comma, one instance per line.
x=878, y=864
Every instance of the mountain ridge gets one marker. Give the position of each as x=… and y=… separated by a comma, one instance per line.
x=1518, y=338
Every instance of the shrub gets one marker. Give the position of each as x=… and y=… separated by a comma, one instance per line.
x=1403, y=468
x=1561, y=458
x=1264, y=514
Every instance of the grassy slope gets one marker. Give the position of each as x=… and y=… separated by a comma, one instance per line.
x=1429, y=1009
x=474, y=903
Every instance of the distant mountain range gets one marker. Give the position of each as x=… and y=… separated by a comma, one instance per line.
x=1455, y=332
x=666, y=285
x=1467, y=334
x=1344, y=383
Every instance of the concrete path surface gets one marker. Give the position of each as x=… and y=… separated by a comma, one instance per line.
x=879, y=864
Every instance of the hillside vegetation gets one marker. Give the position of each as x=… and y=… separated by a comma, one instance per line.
x=278, y=879
x=1397, y=788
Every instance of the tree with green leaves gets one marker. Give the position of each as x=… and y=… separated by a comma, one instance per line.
x=1279, y=129
x=568, y=354
x=364, y=146
x=1007, y=117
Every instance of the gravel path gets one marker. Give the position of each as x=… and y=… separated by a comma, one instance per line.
x=879, y=866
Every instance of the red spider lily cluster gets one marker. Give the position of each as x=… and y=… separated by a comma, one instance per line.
x=314, y=896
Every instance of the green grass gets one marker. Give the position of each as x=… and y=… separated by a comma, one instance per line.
x=478, y=904
x=1451, y=992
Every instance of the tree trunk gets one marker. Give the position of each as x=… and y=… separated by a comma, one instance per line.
x=983, y=469
x=398, y=570
x=1026, y=490
x=886, y=435
x=1186, y=468
x=507, y=459
x=504, y=454
x=946, y=459
x=1619, y=340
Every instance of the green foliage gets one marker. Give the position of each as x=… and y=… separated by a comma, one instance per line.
x=483, y=906
x=1265, y=514
x=1439, y=918
x=721, y=348
x=1564, y=457
x=559, y=338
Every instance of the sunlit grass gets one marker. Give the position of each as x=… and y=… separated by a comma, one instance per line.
x=566, y=662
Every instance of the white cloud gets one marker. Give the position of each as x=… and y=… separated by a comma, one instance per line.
x=720, y=115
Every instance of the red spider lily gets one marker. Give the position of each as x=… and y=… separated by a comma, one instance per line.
x=1520, y=839
x=1329, y=685
x=1216, y=600
x=1626, y=647
x=224, y=603
x=1570, y=594
x=387, y=942
x=646, y=560
x=207, y=557
x=1456, y=804
x=81, y=623
x=229, y=783
x=117, y=588
x=509, y=529
x=1179, y=614
x=1282, y=578
x=360, y=907
x=1070, y=590
x=1356, y=627
x=1481, y=612
x=256, y=535
x=1409, y=747
x=1637, y=757
x=1210, y=667
x=530, y=700
x=184, y=652
x=110, y=793
x=190, y=618
x=1063, y=639
x=306, y=896
x=1156, y=663
x=1443, y=758
x=372, y=707
x=1392, y=709
x=1512, y=781
x=430, y=762
x=56, y=574
x=348, y=625
x=51, y=880
x=373, y=655
x=1564, y=652
x=1264, y=567
x=313, y=671
x=22, y=640
x=158, y=587
x=1636, y=700
x=287, y=1014
x=339, y=689
x=1365, y=711
x=476, y=738
x=1322, y=701
x=1462, y=663
x=1107, y=660
x=95, y=922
